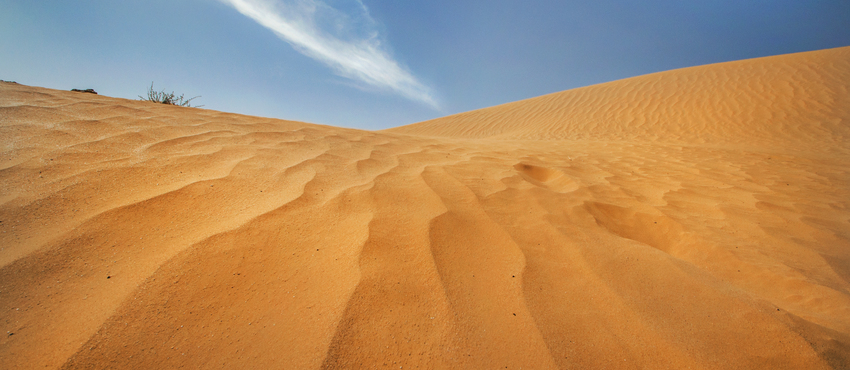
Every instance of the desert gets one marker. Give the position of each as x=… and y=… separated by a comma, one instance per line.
x=697, y=218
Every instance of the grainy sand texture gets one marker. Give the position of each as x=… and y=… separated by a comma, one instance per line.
x=690, y=219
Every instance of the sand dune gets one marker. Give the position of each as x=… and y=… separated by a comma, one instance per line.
x=696, y=218
x=768, y=100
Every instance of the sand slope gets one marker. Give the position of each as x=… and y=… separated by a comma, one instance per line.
x=697, y=218
x=765, y=100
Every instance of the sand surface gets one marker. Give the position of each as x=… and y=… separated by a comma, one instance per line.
x=691, y=219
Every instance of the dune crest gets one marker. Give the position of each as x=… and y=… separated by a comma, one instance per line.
x=696, y=218
x=783, y=99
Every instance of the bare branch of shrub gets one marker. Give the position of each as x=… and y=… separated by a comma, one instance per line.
x=168, y=98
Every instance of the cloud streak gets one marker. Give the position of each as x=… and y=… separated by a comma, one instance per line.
x=345, y=40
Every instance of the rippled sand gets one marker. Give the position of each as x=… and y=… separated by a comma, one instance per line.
x=697, y=218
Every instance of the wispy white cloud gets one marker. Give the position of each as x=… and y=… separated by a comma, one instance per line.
x=345, y=39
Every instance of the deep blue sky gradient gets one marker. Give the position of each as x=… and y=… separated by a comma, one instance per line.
x=472, y=53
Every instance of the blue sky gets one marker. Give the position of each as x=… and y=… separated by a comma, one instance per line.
x=376, y=64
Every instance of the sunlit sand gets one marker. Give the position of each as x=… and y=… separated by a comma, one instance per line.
x=696, y=218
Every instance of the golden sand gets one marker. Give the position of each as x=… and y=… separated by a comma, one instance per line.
x=696, y=218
